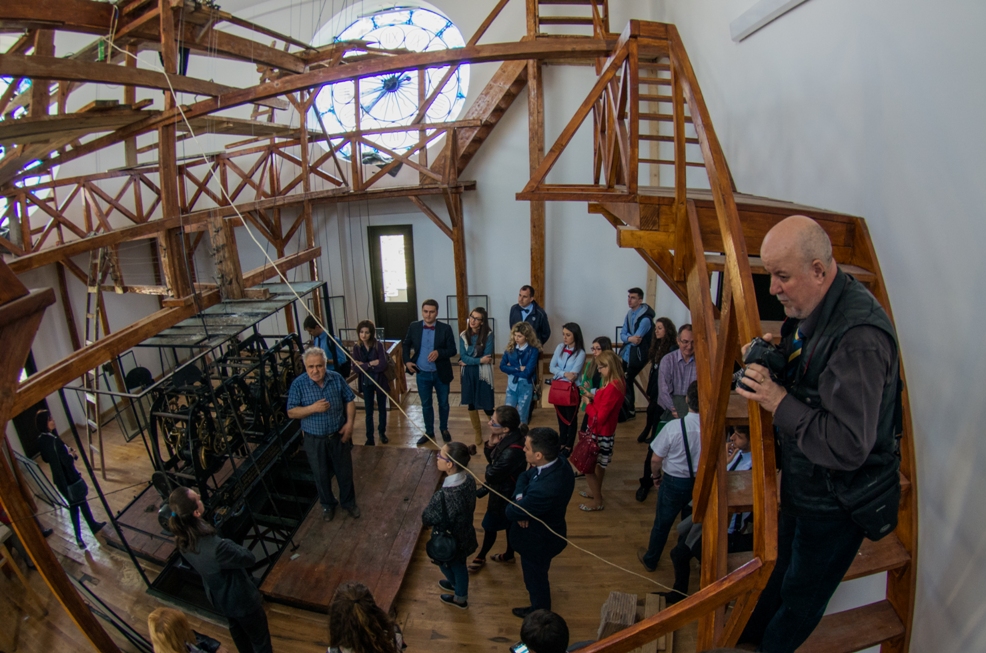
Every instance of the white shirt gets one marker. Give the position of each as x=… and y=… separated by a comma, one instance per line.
x=670, y=446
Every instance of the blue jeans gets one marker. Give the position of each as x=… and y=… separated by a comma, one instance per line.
x=519, y=396
x=457, y=574
x=428, y=381
x=673, y=495
x=812, y=557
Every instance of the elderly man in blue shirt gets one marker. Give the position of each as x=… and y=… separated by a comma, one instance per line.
x=324, y=403
x=636, y=333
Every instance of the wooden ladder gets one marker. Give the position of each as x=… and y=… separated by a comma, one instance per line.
x=578, y=14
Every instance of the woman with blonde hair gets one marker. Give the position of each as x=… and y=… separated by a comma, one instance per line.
x=170, y=633
x=603, y=411
x=358, y=625
x=520, y=362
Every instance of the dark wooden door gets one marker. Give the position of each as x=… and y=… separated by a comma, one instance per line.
x=395, y=300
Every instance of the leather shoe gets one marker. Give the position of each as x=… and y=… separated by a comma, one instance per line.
x=641, y=552
x=328, y=514
x=672, y=597
x=522, y=612
x=424, y=439
x=642, y=437
x=446, y=436
x=383, y=439
x=354, y=512
x=642, y=493
x=47, y=531
x=98, y=526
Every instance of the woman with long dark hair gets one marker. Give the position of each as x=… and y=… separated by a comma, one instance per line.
x=61, y=458
x=223, y=565
x=452, y=508
x=663, y=343
x=358, y=625
x=505, y=455
x=566, y=365
x=371, y=357
x=603, y=411
x=591, y=380
x=476, y=362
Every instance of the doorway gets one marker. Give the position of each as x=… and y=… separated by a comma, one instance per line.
x=395, y=299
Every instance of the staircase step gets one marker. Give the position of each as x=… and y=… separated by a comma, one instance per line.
x=718, y=261
x=650, y=97
x=666, y=139
x=739, y=491
x=670, y=162
x=873, y=558
x=854, y=630
x=661, y=117
x=657, y=81
x=564, y=20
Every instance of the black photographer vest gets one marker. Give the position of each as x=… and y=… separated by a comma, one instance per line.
x=807, y=488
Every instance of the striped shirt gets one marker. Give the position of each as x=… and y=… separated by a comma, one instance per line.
x=334, y=389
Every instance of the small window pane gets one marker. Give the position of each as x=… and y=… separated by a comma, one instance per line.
x=394, y=269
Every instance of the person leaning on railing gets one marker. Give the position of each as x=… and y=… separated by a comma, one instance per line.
x=835, y=408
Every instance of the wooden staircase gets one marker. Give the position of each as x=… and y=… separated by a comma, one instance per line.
x=660, y=178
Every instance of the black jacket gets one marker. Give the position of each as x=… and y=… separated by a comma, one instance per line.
x=460, y=504
x=55, y=453
x=506, y=463
x=444, y=345
x=223, y=564
x=546, y=497
x=537, y=319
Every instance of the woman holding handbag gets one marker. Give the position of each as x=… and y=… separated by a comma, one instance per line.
x=371, y=358
x=591, y=379
x=505, y=454
x=603, y=411
x=566, y=365
x=520, y=362
x=61, y=458
x=450, y=512
x=475, y=361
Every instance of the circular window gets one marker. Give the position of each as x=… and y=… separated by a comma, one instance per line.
x=391, y=100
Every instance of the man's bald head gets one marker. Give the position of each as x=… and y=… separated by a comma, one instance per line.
x=803, y=237
x=798, y=255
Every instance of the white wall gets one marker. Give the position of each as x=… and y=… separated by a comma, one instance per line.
x=876, y=109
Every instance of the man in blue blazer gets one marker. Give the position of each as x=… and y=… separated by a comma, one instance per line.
x=544, y=491
x=528, y=310
x=428, y=348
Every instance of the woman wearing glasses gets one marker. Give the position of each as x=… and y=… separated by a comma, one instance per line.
x=452, y=508
x=602, y=411
x=566, y=365
x=505, y=454
x=475, y=360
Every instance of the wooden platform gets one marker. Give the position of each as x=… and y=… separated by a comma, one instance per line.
x=393, y=486
x=142, y=530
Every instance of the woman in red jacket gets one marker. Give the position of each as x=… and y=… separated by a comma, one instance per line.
x=602, y=412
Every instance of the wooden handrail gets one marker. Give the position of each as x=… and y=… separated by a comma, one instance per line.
x=741, y=582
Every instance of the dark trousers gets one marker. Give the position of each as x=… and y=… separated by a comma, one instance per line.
x=368, y=395
x=457, y=574
x=812, y=557
x=86, y=512
x=489, y=539
x=250, y=633
x=567, y=432
x=630, y=398
x=673, y=495
x=535, y=568
x=428, y=382
x=681, y=556
x=329, y=456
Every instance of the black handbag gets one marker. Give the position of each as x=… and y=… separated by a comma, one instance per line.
x=442, y=546
x=77, y=492
x=872, y=500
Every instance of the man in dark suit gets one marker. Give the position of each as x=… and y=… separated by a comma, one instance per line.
x=527, y=310
x=428, y=348
x=544, y=491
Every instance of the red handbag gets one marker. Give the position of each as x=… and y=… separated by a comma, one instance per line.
x=564, y=393
x=585, y=453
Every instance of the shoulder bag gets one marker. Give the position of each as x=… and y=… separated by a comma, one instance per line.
x=442, y=546
x=564, y=393
x=77, y=492
x=586, y=451
x=872, y=501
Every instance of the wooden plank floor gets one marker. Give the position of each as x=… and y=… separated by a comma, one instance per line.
x=393, y=486
x=580, y=583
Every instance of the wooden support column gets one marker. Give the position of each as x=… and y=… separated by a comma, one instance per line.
x=130, y=97
x=73, y=329
x=535, y=109
x=229, y=275
x=454, y=203
x=170, y=243
x=44, y=46
x=20, y=316
x=305, y=103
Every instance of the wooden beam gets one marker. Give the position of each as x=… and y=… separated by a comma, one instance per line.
x=52, y=378
x=535, y=154
x=281, y=266
x=44, y=46
x=229, y=276
x=434, y=217
x=72, y=15
x=454, y=204
x=642, y=238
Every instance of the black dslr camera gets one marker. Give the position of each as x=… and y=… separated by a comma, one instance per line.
x=762, y=353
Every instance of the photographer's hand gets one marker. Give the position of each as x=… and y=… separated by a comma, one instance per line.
x=766, y=393
x=767, y=337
